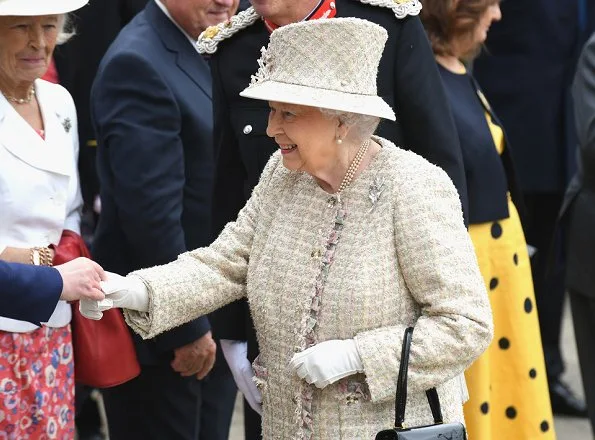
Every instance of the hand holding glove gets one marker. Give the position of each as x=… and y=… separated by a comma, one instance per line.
x=236, y=355
x=123, y=292
x=327, y=362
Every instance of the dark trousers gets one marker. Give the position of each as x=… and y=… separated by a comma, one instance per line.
x=252, y=423
x=548, y=268
x=583, y=318
x=160, y=404
x=87, y=418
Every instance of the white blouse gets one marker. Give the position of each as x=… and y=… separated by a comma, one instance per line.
x=39, y=185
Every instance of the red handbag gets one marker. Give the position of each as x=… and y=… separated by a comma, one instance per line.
x=104, y=353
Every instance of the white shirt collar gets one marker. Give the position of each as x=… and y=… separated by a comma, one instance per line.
x=166, y=12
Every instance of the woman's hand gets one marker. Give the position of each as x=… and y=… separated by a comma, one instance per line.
x=327, y=362
x=123, y=292
x=236, y=355
x=21, y=255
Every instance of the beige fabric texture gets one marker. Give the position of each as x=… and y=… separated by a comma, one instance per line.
x=338, y=59
x=405, y=259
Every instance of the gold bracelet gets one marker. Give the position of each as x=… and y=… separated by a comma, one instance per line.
x=46, y=254
x=35, y=256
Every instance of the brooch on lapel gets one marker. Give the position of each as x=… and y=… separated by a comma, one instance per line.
x=67, y=124
x=376, y=190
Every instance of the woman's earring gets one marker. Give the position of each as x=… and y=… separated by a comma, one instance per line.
x=339, y=141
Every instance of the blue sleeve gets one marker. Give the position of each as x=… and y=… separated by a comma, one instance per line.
x=28, y=293
x=138, y=123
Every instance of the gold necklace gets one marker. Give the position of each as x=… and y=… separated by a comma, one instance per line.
x=357, y=160
x=19, y=101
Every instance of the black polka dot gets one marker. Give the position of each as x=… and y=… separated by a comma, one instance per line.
x=485, y=407
x=504, y=343
x=496, y=230
x=545, y=426
x=528, y=305
x=493, y=283
x=515, y=259
x=532, y=373
x=511, y=412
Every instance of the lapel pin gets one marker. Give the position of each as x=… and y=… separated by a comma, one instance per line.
x=67, y=124
x=376, y=190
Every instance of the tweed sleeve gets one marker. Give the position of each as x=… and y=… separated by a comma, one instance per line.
x=205, y=279
x=440, y=269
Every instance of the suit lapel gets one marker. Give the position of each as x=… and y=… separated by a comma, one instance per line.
x=196, y=68
x=187, y=58
x=18, y=137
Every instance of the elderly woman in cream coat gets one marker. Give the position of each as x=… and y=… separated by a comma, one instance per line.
x=39, y=198
x=345, y=242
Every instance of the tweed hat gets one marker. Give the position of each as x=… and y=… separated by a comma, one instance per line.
x=326, y=63
x=39, y=7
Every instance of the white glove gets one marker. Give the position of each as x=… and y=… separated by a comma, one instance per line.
x=236, y=355
x=327, y=362
x=123, y=292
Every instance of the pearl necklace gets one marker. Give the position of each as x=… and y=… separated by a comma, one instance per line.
x=26, y=100
x=357, y=160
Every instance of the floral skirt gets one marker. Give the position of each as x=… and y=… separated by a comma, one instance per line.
x=37, y=385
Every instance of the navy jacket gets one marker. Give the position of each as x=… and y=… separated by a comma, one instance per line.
x=28, y=293
x=490, y=176
x=526, y=74
x=97, y=25
x=152, y=112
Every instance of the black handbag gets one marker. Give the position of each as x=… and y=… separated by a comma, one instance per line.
x=439, y=430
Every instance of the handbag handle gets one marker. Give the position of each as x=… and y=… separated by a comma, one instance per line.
x=401, y=395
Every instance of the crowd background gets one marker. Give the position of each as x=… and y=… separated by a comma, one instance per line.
x=526, y=71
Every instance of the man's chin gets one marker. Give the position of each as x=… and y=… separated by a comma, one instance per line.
x=261, y=7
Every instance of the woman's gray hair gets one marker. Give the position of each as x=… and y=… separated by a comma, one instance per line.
x=362, y=126
x=65, y=29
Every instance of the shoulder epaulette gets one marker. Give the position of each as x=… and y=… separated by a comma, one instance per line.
x=401, y=8
x=210, y=38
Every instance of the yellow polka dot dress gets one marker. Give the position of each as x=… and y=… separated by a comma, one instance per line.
x=509, y=398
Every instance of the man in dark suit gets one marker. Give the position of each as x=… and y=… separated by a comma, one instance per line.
x=30, y=293
x=152, y=111
x=408, y=81
x=579, y=213
x=526, y=75
x=96, y=25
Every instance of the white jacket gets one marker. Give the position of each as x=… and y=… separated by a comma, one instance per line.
x=39, y=186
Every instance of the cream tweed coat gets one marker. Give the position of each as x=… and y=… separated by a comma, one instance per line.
x=390, y=252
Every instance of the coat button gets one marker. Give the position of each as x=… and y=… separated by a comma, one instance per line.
x=332, y=5
x=247, y=129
